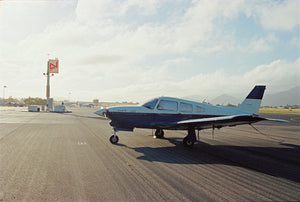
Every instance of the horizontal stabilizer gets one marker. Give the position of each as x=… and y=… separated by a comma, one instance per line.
x=277, y=120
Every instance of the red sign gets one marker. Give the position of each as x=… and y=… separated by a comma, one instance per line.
x=53, y=66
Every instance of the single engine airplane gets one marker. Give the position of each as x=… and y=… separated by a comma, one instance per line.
x=179, y=114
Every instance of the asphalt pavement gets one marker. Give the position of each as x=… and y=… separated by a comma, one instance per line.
x=68, y=157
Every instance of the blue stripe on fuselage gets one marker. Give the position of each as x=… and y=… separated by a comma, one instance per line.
x=149, y=120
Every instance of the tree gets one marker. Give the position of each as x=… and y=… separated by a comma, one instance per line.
x=34, y=101
x=230, y=105
x=96, y=101
x=12, y=100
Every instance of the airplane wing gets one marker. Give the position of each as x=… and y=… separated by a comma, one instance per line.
x=214, y=122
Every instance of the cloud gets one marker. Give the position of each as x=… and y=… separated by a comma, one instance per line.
x=295, y=41
x=146, y=7
x=94, y=11
x=278, y=76
x=101, y=59
x=20, y=19
x=263, y=44
x=280, y=15
x=104, y=55
x=194, y=26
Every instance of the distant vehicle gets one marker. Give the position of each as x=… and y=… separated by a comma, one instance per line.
x=87, y=105
x=34, y=108
x=179, y=114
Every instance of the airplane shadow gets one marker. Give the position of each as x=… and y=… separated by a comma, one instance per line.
x=280, y=162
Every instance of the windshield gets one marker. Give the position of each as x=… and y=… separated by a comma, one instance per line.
x=150, y=104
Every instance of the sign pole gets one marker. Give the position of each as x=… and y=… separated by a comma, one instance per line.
x=52, y=67
x=48, y=87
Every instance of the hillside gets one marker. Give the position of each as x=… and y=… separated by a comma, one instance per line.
x=288, y=97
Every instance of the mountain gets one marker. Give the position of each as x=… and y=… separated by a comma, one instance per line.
x=196, y=98
x=225, y=100
x=221, y=100
x=288, y=97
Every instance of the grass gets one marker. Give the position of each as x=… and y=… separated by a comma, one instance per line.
x=278, y=110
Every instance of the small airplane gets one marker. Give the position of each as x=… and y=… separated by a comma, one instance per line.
x=178, y=114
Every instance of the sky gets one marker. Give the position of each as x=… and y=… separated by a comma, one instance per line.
x=135, y=50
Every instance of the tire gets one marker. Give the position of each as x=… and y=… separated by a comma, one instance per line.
x=187, y=142
x=114, y=139
x=159, y=133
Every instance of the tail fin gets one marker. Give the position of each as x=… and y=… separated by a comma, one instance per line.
x=252, y=102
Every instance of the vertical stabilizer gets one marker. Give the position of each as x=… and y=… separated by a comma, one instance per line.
x=252, y=102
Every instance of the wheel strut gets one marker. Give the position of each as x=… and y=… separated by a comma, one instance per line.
x=114, y=138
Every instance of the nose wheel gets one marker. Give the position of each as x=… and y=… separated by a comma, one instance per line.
x=114, y=139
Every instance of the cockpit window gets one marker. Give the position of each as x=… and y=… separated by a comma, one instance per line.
x=151, y=104
x=167, y=105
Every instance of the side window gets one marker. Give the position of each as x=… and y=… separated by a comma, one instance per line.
x=185, y=107
x=199, y=109
x=167, y=105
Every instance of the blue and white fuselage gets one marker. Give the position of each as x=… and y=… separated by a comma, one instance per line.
x=160, y=112
x=179, y=114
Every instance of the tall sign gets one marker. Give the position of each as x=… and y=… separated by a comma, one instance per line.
x=53, y=66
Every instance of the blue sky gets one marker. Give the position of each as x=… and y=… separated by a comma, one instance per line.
x=134, y=50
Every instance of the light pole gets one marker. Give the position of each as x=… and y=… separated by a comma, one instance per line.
x=4, y=93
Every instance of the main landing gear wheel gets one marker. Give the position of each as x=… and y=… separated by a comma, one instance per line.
x=114, y=139
x=159, y=133
x=187, y=142
x=190, y=139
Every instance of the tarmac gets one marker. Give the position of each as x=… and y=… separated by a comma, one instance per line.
x=68, y=157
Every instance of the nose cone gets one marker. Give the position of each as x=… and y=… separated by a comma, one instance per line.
x=101, y=112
